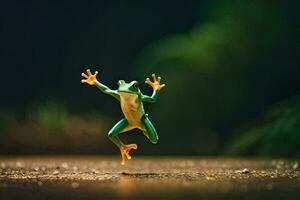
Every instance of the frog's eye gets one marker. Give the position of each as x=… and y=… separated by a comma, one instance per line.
x=136, y=85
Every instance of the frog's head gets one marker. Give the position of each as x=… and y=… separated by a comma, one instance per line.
x=132, y=87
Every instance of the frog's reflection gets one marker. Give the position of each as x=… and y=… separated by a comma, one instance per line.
x=129, y=184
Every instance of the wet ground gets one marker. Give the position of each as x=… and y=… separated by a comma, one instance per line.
x=86, y=177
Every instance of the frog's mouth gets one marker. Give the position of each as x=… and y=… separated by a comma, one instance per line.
x=127, y=95
x=126, y=91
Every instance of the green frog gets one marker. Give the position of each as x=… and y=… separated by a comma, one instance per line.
x=131, y=100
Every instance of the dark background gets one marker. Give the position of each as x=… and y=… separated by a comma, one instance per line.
x=231, y=69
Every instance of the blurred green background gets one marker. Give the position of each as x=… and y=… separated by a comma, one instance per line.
x=231, y=68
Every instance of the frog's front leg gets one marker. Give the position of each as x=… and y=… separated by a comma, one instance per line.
x=156, y=87
x=121, y=127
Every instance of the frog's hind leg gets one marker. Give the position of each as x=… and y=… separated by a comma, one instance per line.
x=149, y=131
x=121, y=127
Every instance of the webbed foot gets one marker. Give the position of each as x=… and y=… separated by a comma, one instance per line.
x=125, y=149
x=89, y=77
x=156, y=82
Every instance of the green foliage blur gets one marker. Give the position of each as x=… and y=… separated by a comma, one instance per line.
x=51, y=115
x=231, y=72
x=274, y=133
x=49, y=127
x=223, y=73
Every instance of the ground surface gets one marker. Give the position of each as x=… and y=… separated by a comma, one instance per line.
x=88, y=177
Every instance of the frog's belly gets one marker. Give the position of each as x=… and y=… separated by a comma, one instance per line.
x=132, y=109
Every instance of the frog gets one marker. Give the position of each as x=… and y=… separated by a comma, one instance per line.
x=131, y=101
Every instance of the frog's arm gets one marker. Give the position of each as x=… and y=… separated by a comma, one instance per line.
x=107, y=90
x=156, y=87
x=92, y=80
x=151, y=98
